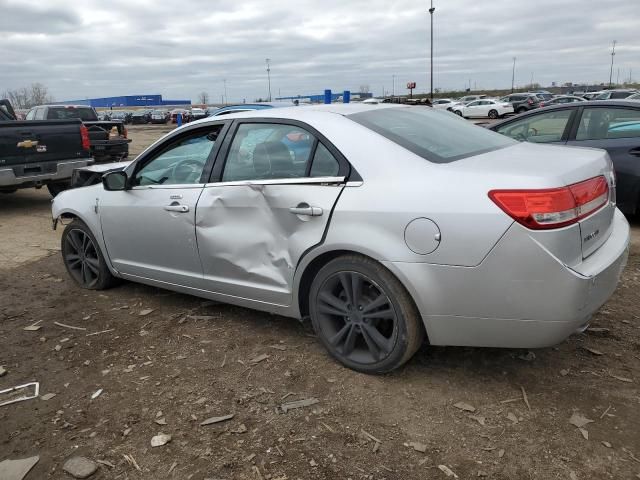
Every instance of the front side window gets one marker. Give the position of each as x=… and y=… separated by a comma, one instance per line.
x=31, y=115
x=542, y=128
x=608, y=123
x=435, y=135
x=264, y=151
x=181, y=163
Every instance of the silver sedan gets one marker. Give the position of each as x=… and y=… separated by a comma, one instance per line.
x=385, y=225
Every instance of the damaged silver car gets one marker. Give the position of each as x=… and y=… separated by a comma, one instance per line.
x=385, y=225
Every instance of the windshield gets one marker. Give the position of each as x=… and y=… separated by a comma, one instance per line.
x=435, y=135
x=67, y=113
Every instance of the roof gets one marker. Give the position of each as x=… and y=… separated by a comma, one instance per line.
x=304, y=112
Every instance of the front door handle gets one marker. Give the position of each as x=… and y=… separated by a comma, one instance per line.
x=306, y=210
x=177, y=208
x=635, y=152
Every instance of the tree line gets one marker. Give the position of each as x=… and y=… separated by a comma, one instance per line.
x=27, y=97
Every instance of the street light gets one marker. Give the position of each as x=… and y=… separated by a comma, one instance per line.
x=513, y=74
x=226, y=99
x=613, y=54
x=393, y=87
x=269, y=76
x=431, y=10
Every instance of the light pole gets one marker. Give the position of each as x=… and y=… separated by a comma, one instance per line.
x=393, y=88
x=513, y=74
x=431, y=10
x=613, y=54
x=269, y=76
x=226, y=99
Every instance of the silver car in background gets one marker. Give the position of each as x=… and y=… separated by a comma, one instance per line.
x=386, y=225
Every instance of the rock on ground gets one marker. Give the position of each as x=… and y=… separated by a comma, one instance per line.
x=80, y=467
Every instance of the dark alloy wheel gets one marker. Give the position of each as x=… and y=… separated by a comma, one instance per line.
x=83, y=259
x=458, y=112
x=364, y=316
x=521, y=110
x=493, y=114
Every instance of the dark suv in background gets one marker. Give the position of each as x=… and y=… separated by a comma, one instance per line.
x=522, y=102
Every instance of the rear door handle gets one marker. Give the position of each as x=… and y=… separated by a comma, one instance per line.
x=177, y=208
x=304, y=209
x=635, y=152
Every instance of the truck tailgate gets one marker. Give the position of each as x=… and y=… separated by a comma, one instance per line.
x=36, y=141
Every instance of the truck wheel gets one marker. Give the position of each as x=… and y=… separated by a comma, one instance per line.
x=56, y=188
x=363, y=315
x=83, y=259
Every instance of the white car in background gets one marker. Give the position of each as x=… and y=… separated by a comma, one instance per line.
x=445, y=103
x=484, y=108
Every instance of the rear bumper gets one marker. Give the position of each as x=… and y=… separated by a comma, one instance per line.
x=111, y=148
x=63, y=171
x=520, y=296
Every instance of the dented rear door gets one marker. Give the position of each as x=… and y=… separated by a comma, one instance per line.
x=252, y=234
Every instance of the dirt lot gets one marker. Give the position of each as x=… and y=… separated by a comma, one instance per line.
x=167, y=362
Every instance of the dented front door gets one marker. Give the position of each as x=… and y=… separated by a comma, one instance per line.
x=251, y=235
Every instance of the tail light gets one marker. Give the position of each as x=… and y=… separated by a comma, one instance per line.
x=530, y=101
x=542, y=104
x=553, y=207
x=84, y=134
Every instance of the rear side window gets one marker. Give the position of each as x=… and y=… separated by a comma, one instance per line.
x=608, y=123
x=620, y=94
x=265, y=151
x=67, y=113
x=324, y=164
x=435, y=135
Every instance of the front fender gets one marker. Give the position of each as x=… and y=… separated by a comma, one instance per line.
x=83, y=204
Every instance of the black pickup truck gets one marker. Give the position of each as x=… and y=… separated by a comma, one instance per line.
x=109, y=140
x=37, y=153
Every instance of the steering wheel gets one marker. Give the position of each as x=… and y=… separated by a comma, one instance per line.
x=186, y=171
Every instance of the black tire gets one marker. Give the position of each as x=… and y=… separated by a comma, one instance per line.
x=373, y=337
x=458, y=112
x=83, y=259
x=521, y=110
x=56, y=188
x=493, y=114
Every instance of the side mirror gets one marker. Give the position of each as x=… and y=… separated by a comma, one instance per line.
x=114, y=181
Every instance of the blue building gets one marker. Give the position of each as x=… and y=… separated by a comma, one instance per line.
x=319, y=98
x=127, y=101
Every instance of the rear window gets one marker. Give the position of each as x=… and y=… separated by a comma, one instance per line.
x=435, y=135
x=67, y=113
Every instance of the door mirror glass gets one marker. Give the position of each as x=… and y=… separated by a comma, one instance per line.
x=114, y=181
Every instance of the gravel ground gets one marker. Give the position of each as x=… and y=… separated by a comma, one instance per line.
x=164, y=363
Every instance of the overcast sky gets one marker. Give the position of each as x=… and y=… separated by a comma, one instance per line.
x=91, y=48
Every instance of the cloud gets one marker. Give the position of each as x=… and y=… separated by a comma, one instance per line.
x=95, y=48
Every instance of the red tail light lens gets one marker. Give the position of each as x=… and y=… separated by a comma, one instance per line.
x=529, y=101
x=554, y=207
x=84, y=133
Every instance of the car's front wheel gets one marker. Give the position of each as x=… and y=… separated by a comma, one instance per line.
x=363, y=315
x=458, y=112
x=493, y=114
x=83, y=259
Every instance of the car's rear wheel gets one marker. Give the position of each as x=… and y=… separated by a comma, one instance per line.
x=363, y=315
x=458, y=112
x=521, y=110
x=56, y=188
x=83, y=259
x=493, y=114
